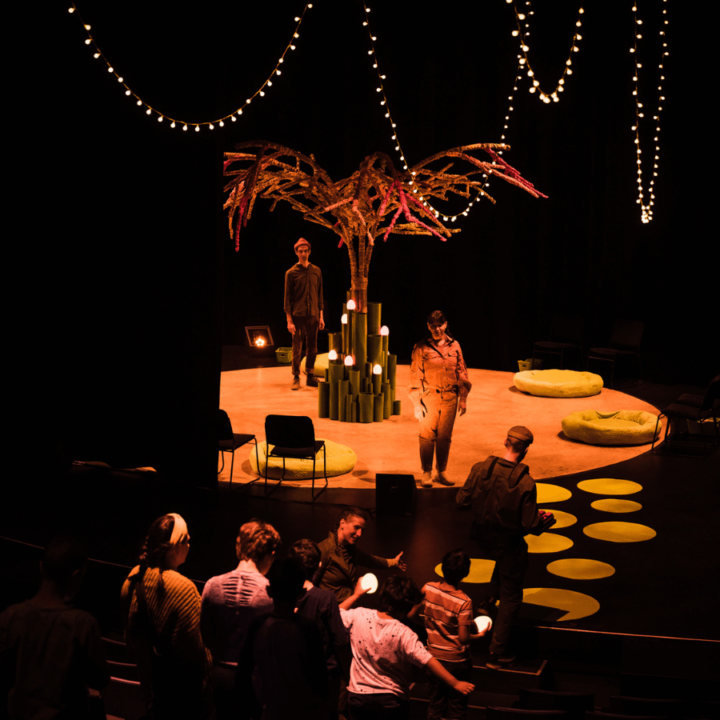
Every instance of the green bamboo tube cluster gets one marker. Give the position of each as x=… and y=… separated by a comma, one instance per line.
x=353, y=393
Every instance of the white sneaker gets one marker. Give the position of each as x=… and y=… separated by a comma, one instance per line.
x=426, y=479
x=442, y=478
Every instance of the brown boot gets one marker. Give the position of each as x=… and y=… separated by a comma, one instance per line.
x=311, y=380
x=295, y=383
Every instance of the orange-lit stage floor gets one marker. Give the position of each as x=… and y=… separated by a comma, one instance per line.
x=494, y=405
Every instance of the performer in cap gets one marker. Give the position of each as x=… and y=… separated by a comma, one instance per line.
x=304, y=311
x=439, y=386
x=503, y=499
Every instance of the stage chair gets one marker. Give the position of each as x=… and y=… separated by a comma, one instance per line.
x=565, y=336
x=504, y=713
x=228, y=441
x=574, y=704
x=624, y=343
x=658, y=707
x=681, y=413
x=293, y=437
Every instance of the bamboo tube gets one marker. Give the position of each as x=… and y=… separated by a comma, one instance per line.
x=378, y=403
x=342, y=400
x=374, y=311
x=387, y=400
x=366, y=407
x=397, y=407
x=334, y=400
x=323, y=400
x=374, y=349
x=360, y=339
x=354, y=378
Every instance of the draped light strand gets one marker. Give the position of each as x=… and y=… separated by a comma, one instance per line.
x=647, y=207
x=523, y=32
x=174, y=122
x=396, y=136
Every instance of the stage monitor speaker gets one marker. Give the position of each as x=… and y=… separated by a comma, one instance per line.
x=395, y=494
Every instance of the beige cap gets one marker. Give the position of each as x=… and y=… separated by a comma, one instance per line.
x=300, y=243
x=520, y=432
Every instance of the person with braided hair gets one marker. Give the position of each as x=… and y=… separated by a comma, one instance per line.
x=161, y=610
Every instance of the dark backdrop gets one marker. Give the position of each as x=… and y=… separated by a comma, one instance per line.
x=133, y=284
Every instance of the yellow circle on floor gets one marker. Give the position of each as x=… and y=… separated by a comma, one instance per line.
x=610, y=486
x=581, y=569
x=480, y=571
x=613, y=505
x=551, y=493
x=620, y=532
x=562, y=519
x=548, y=543
x=576, y=605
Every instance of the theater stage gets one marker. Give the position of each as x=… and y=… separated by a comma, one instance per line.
x=494, y=405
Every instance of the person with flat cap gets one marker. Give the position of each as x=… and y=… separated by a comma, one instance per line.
x=503, y=499
x=304, y=311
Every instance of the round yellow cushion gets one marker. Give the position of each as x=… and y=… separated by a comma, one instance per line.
x=558, y=383
x=340, y=460
x=623, y=427
x=321, y=365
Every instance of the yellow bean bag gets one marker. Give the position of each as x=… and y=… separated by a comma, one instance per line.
x=340, y=460
x=623, y=427
x=558, y=383
x=321, y=365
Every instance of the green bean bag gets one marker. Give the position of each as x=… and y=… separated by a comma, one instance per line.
x=558, y=383
x=340, y=460
x=321, y=365
x=622, y=427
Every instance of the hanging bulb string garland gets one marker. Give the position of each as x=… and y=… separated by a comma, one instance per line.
x=395, y=135
x=523, y=31
x=647, y=207
x=173, y=122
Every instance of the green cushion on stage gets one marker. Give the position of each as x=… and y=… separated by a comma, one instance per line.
x=340, y=460
x=558, y=383
x=623, y=427
x=321, y=365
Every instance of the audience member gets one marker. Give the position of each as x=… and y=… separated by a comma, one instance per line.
x=230, y=602
x=340, y=555
x=503, y=499
x=449, y=622
x=161, y=609
x=321, y=606
x=385, y=653
x=283, y=654
x=50, y=651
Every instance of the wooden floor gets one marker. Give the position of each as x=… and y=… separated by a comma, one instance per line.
x=494, y=406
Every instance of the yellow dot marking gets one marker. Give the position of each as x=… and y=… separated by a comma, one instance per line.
x=563, y=519
x=548, y=543
x=551, y=493
x=610, y=486
x=480, y=571
x=619, y=532
x=576, y=605
x=581, y=569
x=613, y=505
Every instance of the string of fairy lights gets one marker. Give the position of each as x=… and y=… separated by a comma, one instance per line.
x=174, y=122
x=523, y=32
x=647, y=207
x=395, y=134
x=524, y=68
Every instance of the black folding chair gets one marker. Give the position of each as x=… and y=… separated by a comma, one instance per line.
x=229, y=441
x=293, y=436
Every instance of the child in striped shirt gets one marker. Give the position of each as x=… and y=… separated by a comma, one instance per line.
x=449, y=624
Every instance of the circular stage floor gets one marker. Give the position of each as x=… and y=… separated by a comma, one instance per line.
x=494, y=406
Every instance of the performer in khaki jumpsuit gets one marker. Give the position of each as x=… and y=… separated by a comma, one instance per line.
x=439, y=387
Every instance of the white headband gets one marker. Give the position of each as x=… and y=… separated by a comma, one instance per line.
x=180, y=531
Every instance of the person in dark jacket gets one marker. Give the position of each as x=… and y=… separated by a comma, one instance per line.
x=503, y=499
